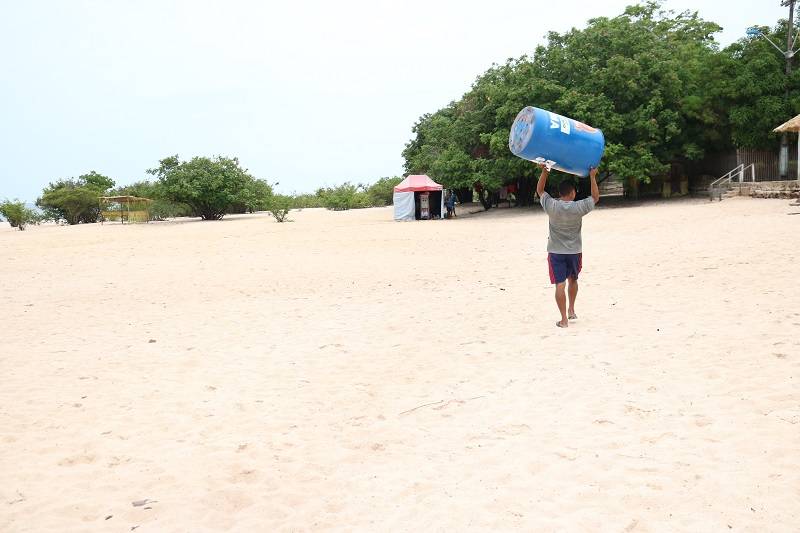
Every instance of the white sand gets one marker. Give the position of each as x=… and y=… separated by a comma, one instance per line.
x=347, y=372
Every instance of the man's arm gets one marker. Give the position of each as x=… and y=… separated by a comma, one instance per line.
x=595, y=188
x=542, y=180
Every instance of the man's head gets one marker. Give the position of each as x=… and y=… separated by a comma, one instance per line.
x=566, y=190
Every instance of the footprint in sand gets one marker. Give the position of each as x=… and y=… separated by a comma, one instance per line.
x=247, y=475
x=570, y=456
x=83, y=459
x=512, y=429
x=702, y=421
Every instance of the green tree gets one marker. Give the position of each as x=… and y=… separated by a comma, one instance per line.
x=381, y=192
x=75, y=200
x=211, y=187
x=18, y=214
x=643, y=78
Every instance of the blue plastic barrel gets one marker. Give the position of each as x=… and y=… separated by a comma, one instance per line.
x=563, y=143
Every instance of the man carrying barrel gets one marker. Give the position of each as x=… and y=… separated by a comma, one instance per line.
x=564, y=251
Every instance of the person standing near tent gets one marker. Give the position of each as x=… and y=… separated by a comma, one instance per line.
x=450, y=204
x=564, y=247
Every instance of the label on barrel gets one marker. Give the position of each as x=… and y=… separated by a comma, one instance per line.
x=557, y=121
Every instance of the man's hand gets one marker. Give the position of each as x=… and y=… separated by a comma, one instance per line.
x=593, y=181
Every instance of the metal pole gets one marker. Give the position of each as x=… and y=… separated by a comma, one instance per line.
x=784, y=154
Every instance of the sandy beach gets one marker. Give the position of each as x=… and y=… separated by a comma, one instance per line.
x=345, y=372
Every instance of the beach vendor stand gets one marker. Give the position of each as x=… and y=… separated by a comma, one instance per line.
x=418, y=197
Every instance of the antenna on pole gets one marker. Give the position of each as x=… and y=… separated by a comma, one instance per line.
x=788, y=54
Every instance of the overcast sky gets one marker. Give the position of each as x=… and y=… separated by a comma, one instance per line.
x=304, y=92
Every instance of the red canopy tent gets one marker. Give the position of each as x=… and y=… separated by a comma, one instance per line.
x=417, y=183
x=407, y=202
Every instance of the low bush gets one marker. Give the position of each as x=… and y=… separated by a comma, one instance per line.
x=279, y=207
x=18, y=214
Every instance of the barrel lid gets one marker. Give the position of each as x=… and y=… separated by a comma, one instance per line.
x=521, y=130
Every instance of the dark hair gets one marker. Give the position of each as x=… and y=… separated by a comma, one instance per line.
x=566, y=187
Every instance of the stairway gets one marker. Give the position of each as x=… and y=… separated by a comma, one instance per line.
x=738, y=189
x=733, y=183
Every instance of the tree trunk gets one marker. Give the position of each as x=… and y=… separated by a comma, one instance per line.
x=485, y=198
x=464, y=195
x=632, y=189
x=525, y=192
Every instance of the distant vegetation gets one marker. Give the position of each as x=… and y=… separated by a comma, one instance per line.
x=204, y=187
x=18, y=215
x=349, y=196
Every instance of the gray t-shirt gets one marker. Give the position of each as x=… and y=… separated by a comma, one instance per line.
x=565, y=223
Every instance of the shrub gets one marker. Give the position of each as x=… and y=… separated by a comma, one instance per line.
x=18, y=214
x=280, y=206
x=345, y=196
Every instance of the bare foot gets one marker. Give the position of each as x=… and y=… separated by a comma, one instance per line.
x=573, y=316
x=562, y=324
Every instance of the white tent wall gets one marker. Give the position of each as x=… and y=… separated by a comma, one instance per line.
x=403, y=205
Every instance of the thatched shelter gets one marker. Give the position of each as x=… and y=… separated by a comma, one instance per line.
x=130, y=209
x=792, y=126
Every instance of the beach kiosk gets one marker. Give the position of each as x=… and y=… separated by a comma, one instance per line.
x=418, y=198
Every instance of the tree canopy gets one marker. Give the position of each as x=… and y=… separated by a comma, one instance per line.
x=210, y=186
x=75, y=200
x=653, y=80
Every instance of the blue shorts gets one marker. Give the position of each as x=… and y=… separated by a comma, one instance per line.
x=563, y=266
